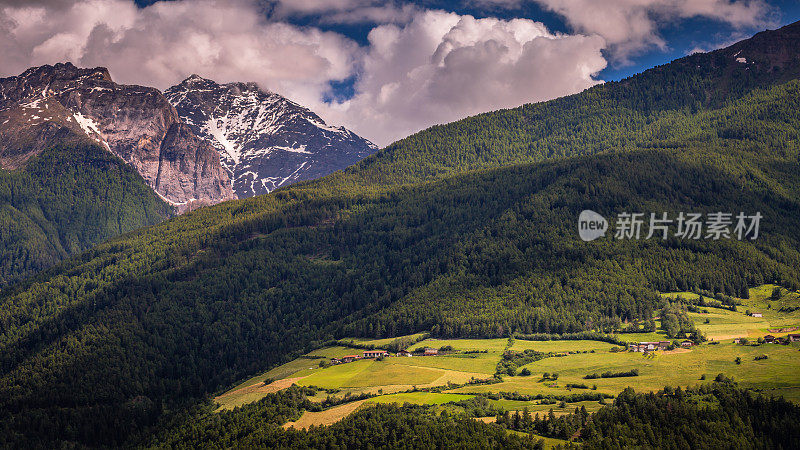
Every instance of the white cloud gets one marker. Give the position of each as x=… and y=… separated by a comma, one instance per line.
x=631, y=26
x=344, y=11
x=443, y=67
x=420, y=67
x=163, y=43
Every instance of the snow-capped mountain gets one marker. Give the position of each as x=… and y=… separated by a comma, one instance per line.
x=64, y=103
x=265, y=141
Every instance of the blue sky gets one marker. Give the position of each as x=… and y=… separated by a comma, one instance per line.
x=382, y=69
x=682, y=36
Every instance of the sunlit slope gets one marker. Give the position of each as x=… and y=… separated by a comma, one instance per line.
x=187, y=307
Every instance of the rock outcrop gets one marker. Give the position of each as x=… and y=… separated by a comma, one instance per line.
x=265, y=140
x=135, y=123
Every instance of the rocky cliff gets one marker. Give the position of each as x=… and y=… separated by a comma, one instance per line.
x=138, y=124
x=265, y=140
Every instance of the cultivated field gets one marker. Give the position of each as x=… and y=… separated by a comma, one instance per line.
x=474, y=361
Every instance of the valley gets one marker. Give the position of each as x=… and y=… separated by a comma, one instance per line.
x=468, y=368
x=242, y=323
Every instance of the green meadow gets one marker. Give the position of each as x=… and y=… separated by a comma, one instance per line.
x=491, y=345
x=476, y=359
x=419, y=398
x=479, y=363
x=725, y=324
x=536, y=407
x=677, y=368
x=561, y=346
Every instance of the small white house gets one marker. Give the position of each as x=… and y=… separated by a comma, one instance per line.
x=757, y=314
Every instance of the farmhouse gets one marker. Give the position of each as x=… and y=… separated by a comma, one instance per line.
x=769, y=338
x=648, y=346
x=350, y=358
x=686, y=344
x=757, y=314
x=404, y=353
x=335, y=361
x=794, y=337
x=375, y=353
x=737, y=341
x=431, y=352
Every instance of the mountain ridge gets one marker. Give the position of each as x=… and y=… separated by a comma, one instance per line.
x=465, y=229
x=265, y=140
x=135, y=123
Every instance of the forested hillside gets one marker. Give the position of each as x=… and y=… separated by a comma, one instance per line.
x=105, y=345
x=66, y=200
x=717, y=415
x=616, y=115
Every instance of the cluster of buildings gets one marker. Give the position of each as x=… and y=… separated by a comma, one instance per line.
x=770, y=339
x=374, y=354
x=645, y=347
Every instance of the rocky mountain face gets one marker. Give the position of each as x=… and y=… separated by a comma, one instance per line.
x=265, y=141
x=65, y=103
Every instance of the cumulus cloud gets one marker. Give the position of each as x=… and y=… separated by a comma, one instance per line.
x=442, y=67
x=631, y=26
x=163, y=43
x=344, y=11
x=419, y=68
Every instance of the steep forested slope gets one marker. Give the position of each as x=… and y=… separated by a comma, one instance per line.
x=65, y=200
x=380, y=426
x=710, y=416
x=105, y=345
x=616, y=115
x=191, y=305
x=717, y=415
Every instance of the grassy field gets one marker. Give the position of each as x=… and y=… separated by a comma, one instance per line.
x=419, y=398
x=481, y=363
x=725, y=324
x=393, y=374
x=327, y=417
x=251, y=393
x=491, y=345
x=550, y=443
x=778, y=375
x=535, y=406
x=561, y=346
x=676, y=368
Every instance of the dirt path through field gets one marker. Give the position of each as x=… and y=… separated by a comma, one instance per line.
x=275, y=386
x=327, y=417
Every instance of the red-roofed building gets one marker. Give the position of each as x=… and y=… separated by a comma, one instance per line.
x=375, y=353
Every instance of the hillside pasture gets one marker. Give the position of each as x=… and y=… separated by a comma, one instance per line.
x=490, y=345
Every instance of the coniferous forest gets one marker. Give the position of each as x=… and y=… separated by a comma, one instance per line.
x=463, y=230
x=66, y=200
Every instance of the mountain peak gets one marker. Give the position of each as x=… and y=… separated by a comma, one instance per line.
x=65, y=71
x=136, y=123
x=195, y=81
x=265, y=141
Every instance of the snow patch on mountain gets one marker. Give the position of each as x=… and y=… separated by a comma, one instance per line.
x=265, y=141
